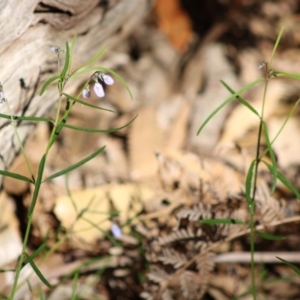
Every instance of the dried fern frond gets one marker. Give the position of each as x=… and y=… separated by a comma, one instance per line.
x=172, y=257
x=205, y=265
x=189, y=284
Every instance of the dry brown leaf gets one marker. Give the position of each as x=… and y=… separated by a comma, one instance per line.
x=174, y=22
x=145, y=137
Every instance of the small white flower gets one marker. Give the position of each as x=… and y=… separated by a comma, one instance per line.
x=107, y=79
x=98, y=88
x=86, y=93
x=56, y=49
x=262, y=65
x=116, y=231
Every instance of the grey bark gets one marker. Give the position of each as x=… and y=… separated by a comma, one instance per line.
x=29, y=28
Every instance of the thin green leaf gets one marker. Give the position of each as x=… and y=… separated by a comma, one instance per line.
x=86, y=103
x=75, y=166
x=15, y=176
x=50, y=80
x=37, y=185
x=270, y=237
x=67, y=63
x=275, y=46
x=222, y=221
x=286, y=120
x=248, y=186
x=98, y=130
x=228, y=100
x=241, y=100
x=272, y=155
x=38, y=272
x=293, y=267
x=23, y=118
x=34, y=254
x=123, y=82
x=74, y=287
x=287, y=183
x=93, y=59
x=285, y=74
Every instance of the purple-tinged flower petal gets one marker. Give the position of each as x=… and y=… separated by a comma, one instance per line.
x=1, y=97
x=54, y=49
x=86, y=93
x=116, y=231
x=107, y=79
x=98, y=88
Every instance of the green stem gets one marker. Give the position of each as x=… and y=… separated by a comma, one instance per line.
x=252, y=208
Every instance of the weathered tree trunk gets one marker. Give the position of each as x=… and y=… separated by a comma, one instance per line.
x=29, y=28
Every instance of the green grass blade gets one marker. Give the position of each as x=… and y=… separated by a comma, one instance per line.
x=227, y=101
x=123, y=82
x=37, y=185
x=50, y=80
x=67, y=63
x=75, y=166
x=240, y=99
x=285, y=74
x=275, y=46
x=248, y=186
x=93, y=59
x=293, y=267
x=222, y=221
x=21, y=118
x=287, y=183
x=270, y=237
x=38, y=272
x=15, y=176
x=34, y=254
x=98, y=130
x=272, y=156
x=74, y=287
x=86, y=103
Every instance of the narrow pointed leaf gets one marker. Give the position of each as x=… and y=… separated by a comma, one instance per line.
x=227, y=101
x=272, y=155
x=15, y=176
x=34, y=254
x=285, y=74
x=287, y=183
x=93, y=59
x=222, y=221
x=240, y=99
x=49, y=81
x=270, y=237
x=275, y=46
x=67, y=63
x=23, y=118
x=75, y=166
x=86, y=103
x=248, y=185
x=98, y=130
x=123, y=82
x=37, y=185
x=38, y=272
x=293, y=267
